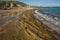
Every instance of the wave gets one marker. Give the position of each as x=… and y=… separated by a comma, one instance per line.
x=50, y=21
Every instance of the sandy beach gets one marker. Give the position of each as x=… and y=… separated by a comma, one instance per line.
x=25, y=26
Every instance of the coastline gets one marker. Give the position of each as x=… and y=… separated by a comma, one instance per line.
x=37, y=24
x=26, y=27
x=46, y=20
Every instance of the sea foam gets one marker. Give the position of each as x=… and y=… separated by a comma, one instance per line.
x=50, y=21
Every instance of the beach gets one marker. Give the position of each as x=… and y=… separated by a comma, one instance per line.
x=48, y=20
x=26, y=24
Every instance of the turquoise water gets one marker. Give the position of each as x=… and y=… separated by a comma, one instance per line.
x=53, y=11
x=50, y=14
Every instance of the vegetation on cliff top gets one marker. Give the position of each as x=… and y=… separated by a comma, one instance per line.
x=6, y=4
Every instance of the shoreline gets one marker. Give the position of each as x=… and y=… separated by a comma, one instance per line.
x=45, y=21
x=26, y=26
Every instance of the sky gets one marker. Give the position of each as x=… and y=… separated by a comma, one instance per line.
x=42, y=2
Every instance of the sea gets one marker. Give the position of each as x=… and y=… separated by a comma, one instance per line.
x=50, y=16
x=53, y=11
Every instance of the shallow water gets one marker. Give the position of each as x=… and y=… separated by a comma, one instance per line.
x=50, y=21
x=52, y=14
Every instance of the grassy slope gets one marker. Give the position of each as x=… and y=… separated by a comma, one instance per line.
x=26, y=27
x=7, y=3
